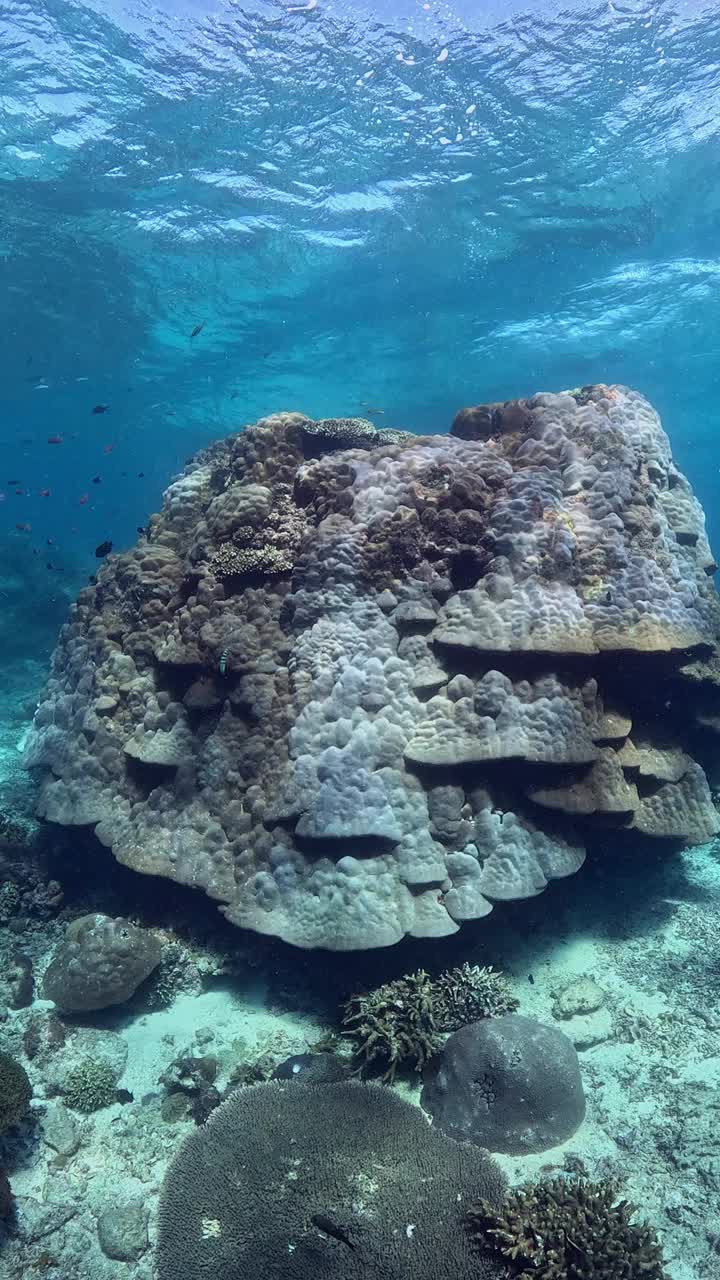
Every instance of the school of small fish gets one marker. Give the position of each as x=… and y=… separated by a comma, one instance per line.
x=18, y=487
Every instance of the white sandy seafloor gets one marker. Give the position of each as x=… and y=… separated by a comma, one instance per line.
x=649, y=937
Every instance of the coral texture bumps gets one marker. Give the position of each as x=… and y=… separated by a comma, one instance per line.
x=358, y=684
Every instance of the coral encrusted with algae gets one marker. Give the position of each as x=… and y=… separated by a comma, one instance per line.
x=357, y=686
x=406, y=1020
x=569, y=1229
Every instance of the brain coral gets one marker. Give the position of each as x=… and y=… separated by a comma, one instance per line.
x=355, y=685
x=305, y=1181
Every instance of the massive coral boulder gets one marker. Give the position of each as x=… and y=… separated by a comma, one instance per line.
x=358, y=684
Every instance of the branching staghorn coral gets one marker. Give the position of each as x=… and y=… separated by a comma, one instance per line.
x=568, y=1229
x=406, y=1020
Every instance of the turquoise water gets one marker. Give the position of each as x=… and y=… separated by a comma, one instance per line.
x=403, y=205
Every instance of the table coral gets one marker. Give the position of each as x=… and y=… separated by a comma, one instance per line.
x=357, y=684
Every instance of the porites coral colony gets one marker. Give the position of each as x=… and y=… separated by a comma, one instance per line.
x=356, y=685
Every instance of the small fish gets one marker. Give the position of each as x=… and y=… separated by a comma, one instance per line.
x=20, y=493
x=372, y=411
x=531, y=980
x=24, y=528
x=101, y=408
x=143, y=530
x=103, y=549
x=141, y=475
x=108, y=448
x=44, y=493
x=96, y=479
x=84, y=498
x=13, y=481
x=332, y=1228
x=223, y=663
x=50, y=542
x=234, y=395
x=3, y=496
x=54, y=439
x=198, y=329
x=92, y=579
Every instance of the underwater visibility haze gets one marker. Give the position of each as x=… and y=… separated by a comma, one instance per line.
x=359, y=765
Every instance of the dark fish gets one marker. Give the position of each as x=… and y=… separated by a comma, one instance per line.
x=141, y=475
x=198, y=329
x=54, y=439
x=103, y=549
x=92, y=579
x=141, y=529
x=50, y=542
x=96, y=479
x=45, y=493
x=332, y=1228
x=13, y=481
x=24, y=528
x=531, y=980
x=101, y=408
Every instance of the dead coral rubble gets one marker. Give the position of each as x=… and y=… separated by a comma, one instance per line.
x=359, y=684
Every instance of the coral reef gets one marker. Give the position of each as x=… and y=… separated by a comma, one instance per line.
x=310, y=1181
x=15, y=1092
x=90, y=1085
x=395, y=1023
x=194, y=1079
x=569, y=1229
x=404, y=1021
x=101, y=962
x=510, y=1084
x=470, y=992
x=177, y=971
x=355, y=685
